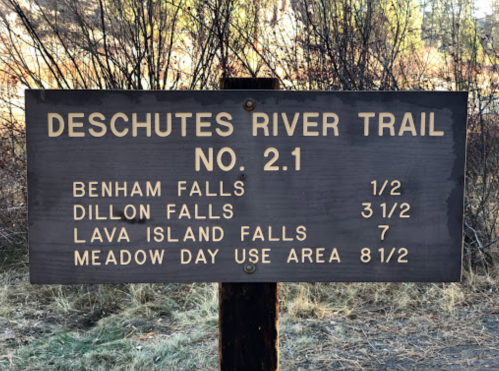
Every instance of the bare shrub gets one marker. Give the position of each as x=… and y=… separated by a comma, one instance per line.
x=482, y=192
x=318, y=44
x=13, y=197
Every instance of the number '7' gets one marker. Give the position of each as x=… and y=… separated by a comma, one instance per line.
x=385, y=228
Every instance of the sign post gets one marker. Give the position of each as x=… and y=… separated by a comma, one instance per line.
x=249, y=312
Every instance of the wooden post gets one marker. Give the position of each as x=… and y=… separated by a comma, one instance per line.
x=249, y=312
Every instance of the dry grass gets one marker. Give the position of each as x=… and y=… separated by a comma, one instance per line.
x=356, y=326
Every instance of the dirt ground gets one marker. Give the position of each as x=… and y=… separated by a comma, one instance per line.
x=377, y=340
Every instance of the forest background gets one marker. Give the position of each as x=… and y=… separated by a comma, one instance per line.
x=336, y=45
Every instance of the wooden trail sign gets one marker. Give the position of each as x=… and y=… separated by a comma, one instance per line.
x=245, y=186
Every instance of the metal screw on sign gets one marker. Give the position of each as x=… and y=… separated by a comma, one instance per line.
x=249, y=268
x=249, y=104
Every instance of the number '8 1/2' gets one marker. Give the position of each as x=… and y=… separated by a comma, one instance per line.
x=398, y=255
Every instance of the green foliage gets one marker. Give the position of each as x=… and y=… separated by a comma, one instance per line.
x=72, y=351
x=403, y=25
x=109, y=349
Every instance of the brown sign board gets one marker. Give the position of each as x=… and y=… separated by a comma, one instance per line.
x=245, y=186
